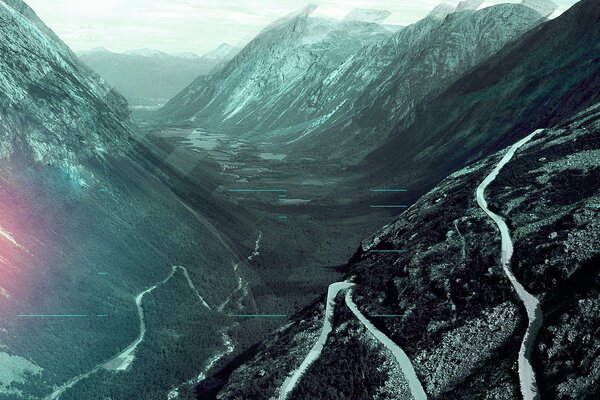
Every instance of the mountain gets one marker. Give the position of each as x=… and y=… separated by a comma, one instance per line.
x=431, y=283
x=368, y=15
x=149, y=78
x=104, y=270
x=328, y=103
x=430, y=287
x=272, y=71
x=54, y=110
x=424, y=59
x=544, y=7
x=146, y=53
x=530, y=83
x=221, y=53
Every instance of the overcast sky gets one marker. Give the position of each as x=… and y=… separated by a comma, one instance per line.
x=198, y=25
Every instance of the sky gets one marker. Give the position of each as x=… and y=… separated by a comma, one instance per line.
x=199, y=26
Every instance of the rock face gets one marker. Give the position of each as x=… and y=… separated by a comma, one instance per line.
x=54, y=110
x=316, y=87
x=529, y=91
x=454, y=311
x=86, y=225
x=264, y=82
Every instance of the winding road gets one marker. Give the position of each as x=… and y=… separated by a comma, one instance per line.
x=123, y=360
x=291, y=381
x=529, y=388
x=405, y=364
x=416, y=389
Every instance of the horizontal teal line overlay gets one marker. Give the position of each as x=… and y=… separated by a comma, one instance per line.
x=259, y=315
x=53, y=315
x=390, y=206
x=388, y=190
x=386, y=315
x=101, y=315
x=388, y=251
x=282, y=217
x=256, y=190
x=102, y=273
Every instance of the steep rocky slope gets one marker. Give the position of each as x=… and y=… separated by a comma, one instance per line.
x=431, y=281
x=549, y=74
x=52, y=108
x=270, y=71
x=86, y=225
x=416, y=64
x=308, y=84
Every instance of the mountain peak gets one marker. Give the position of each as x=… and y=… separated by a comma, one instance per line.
x=441, y=11
x=544, y=7
x=146, y=52
x=300, y=14
x=469, y=5
x=368, y=15
x=220, y=52
x=187, y=55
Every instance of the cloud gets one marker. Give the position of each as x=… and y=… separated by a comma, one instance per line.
x=196, y=25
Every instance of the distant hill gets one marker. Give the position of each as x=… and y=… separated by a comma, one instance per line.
x=148, y=78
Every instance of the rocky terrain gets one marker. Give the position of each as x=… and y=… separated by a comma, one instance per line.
x=317, y=87
x=133, y=258
x=445, y=299
x=86, y=225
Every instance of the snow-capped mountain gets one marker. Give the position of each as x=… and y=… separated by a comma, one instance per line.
x=146, y=53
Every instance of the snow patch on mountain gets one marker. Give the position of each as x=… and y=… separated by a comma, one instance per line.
x=6, y=235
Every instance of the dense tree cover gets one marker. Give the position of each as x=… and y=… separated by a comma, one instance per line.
x=352, y=359
x=176, y=346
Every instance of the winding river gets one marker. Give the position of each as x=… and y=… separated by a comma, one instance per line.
x=529, y=388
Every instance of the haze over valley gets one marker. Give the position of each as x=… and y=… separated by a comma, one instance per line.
x=337, y=206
